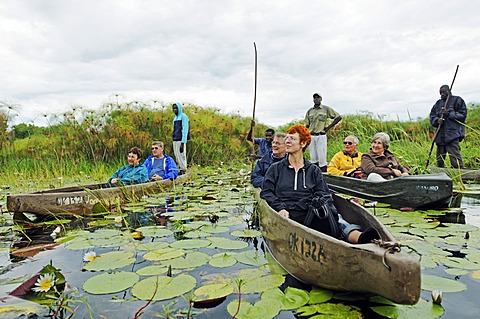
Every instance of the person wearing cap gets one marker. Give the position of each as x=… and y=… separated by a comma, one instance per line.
x=450, y=123
x=380, y=164
x=347, y=162
x=316, y=121
x=264, y=144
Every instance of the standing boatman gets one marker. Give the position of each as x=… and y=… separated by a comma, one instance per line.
x=450, y=122
x=180, y=135
x=316, y=121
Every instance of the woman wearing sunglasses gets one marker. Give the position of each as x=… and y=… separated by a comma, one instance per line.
x=380, y=164
x=347, y=161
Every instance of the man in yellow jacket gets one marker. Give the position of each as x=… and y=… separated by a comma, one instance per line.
x=347, y=161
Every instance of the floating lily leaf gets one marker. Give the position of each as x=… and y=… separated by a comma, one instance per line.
x=155, y=231
x=107, y=283
x=251, y=257
x=197, y=234
x=226, y=243
x=191, y=243
x=430, y=283
x=263, y=309
x=429, y=261
x=330, y=311
x=460, y=263
x=222, y=260
x=175, y=216
x=476, y=275
x=111, y=260
x=428, y=225
x=104, y=233
x=319, y=295
x=293, y=298
x=191, y=260
x=248, y=233
x=164, y=254
x=232, y=221
x=163, y=287
x=423, y=309
x=79, y=244
x=116, y=241
x=215, y=229
x=197, y=224
x=456, y=271
x=154, y=245
x=213, y=291
x=262, y=284
x=152, y=270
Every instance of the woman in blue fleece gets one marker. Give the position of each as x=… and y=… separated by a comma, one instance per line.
x=133, y=173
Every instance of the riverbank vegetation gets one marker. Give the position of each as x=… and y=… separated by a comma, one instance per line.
x=89, y=144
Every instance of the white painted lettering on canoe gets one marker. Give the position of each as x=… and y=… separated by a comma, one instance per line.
x=308, y=248
x=428, y=188
x=75, y=200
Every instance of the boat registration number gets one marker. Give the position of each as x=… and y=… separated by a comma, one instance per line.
x=305, y=247
x=76, y=200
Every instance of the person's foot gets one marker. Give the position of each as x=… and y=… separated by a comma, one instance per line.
x=368, y=235
x=323, y=168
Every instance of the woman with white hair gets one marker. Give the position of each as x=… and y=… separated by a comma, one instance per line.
x=380, y=164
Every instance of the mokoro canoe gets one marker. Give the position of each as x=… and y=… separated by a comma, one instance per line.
x=324, y=261
x=414, y=191
x=466, y=174
x=79, y=200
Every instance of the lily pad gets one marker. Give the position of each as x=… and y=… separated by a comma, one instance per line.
x=154, y=270
x=423, y=309
x=247, y=233
x=213, y=291
x=163, y=287
x=191, y=243
x=164, y=254
x=226, y=243
x=293, y=298
x=251, y=257
x=155, y=231
x=430, y=283
x=223, y=260
x=319, y=295
x=191, y=260
x=262, y=284
x=330, y=311
x=109, y=283
x=111, y=260
x=262, y=309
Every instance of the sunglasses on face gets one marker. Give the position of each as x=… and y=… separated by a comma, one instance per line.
x=349, y=143
x=155, y=148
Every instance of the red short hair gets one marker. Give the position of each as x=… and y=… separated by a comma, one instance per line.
x=302, y=131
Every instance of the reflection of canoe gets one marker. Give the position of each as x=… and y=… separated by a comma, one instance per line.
x=321, y=260
x=466, y=174
x=416, y=191
x=78, y=200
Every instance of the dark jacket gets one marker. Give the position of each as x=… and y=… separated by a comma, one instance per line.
x=381, y=164
x=181, y=126
x=456, y=115
x=261, y=168
x=283, y=188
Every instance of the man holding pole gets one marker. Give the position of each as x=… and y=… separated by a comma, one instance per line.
x=448, y=115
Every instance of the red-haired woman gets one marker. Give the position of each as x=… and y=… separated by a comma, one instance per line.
x=295, y=188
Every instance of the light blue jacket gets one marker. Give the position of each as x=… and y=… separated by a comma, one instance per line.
x=129, y=175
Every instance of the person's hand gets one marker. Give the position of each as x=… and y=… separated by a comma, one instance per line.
x=252, y=123
x=114, y=180
x=441, y=120
x=253, y=157
x=397, y=172
x=284, y=213
x=156, y=177
x=182, y=146
x=405, y=174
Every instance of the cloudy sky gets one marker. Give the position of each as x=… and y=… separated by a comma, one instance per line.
x=384, y=57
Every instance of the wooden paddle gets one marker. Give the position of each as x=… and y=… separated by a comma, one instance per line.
x=254, y=104
x=440, y=124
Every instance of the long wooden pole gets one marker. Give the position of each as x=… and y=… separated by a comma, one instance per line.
x=254, y=103
x=441, y=123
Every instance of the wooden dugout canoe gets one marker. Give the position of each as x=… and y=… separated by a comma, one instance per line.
x=427, y=191
x=326, y=262
x=466, y=174
x=78, y=200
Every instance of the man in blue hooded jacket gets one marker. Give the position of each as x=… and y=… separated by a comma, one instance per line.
x=159, y=165
x=180, y=135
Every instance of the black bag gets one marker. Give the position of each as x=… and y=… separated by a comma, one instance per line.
x=323, y=216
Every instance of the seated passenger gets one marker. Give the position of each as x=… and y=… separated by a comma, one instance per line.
x=380, y=164
x=295, y=188
x=159, y=165
x=133, y=173
x=347, y=162
x=262, y=165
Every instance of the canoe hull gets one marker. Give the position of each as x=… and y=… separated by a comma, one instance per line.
x=326, y=262
x=79, y=200
x=415, y=191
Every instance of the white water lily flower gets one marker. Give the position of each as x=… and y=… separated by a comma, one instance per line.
x=373, y=204
x=44, y=283
x=89, y=256
x=118, y=219
x=437, y=296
